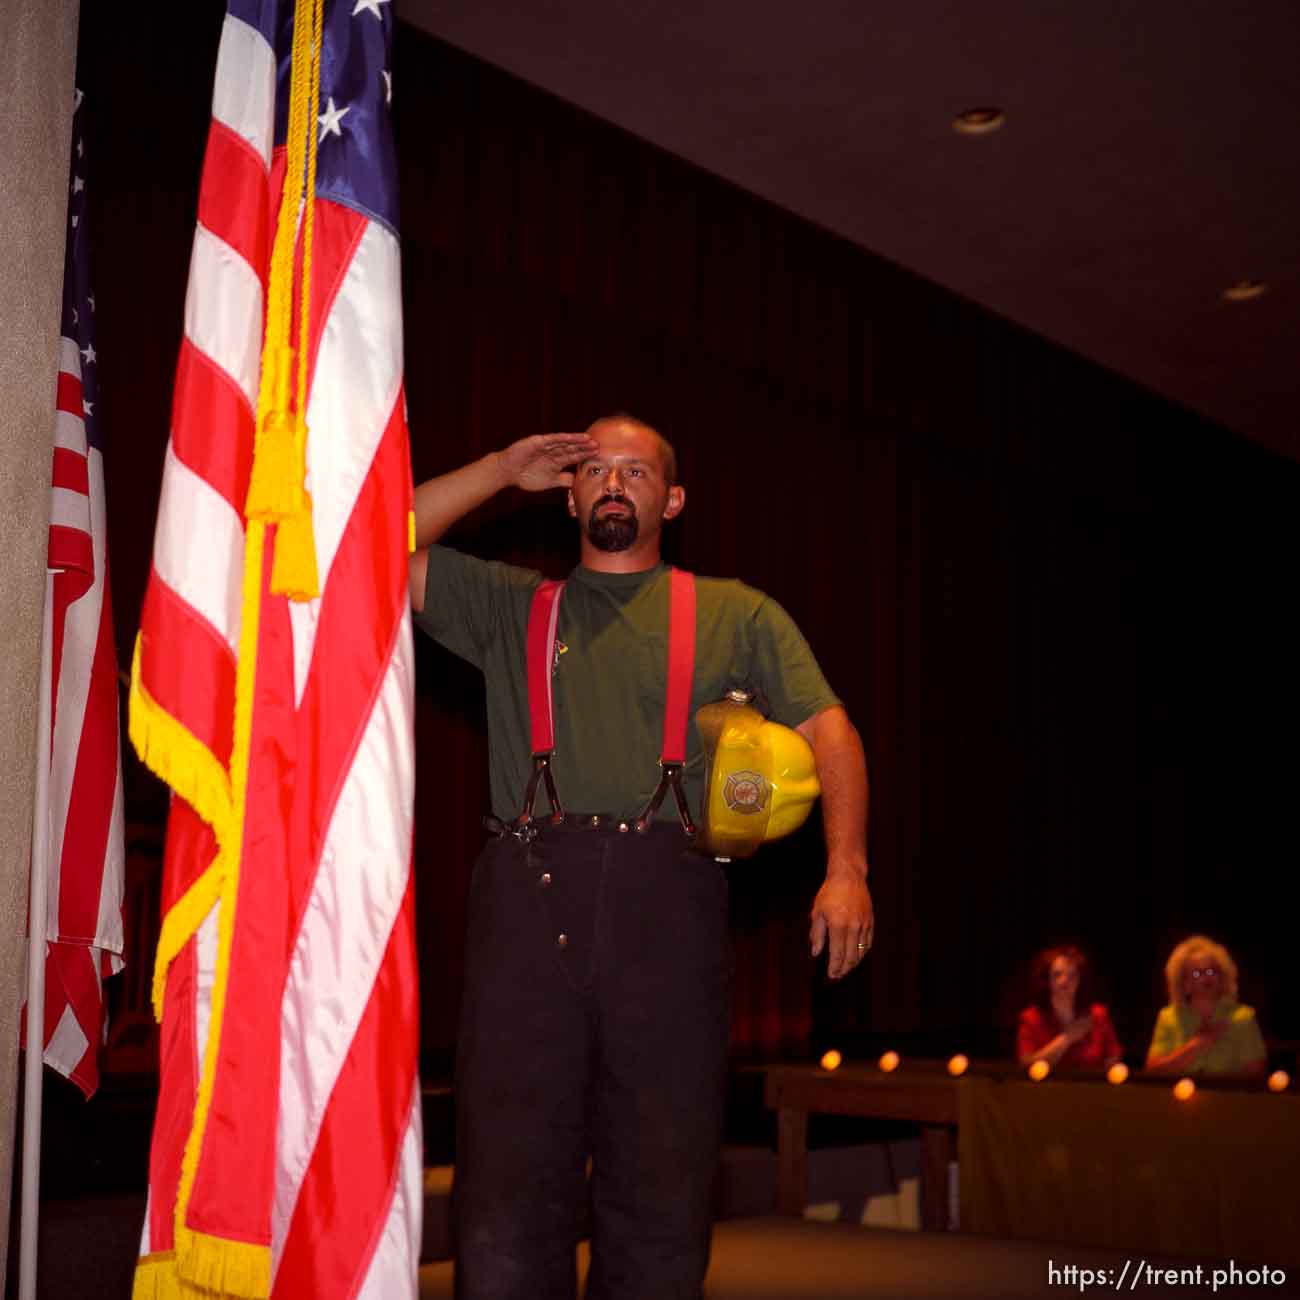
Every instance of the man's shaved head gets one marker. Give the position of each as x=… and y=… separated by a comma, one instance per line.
x=667, y=453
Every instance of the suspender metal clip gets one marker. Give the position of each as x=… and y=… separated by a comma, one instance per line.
x=670, y=779
x=524, y=832
x=541, y=774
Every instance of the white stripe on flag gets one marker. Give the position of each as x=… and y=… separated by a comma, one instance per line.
x=355, y=898
x=69, y=357
x=205, y=975
x=243, y=97
x=145, y=1248
x=223, y=311
x=395, y=1266
x=349, y=409
x=70, y=509
x=109, y=925
x=67, y=1044
x=70, y=431
x=199, y=547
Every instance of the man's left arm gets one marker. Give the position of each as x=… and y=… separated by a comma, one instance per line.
x=841, y=913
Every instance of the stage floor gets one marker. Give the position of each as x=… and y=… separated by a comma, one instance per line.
x=793, y=1259
x=88, y=1250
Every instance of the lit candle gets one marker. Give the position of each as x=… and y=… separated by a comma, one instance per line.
x=1039, y=1071
x=831, y=1060
x=958, y=1065
x=889, y=1061
x=1184, y=1089
x=1279, y=1081
x=1117, y=1072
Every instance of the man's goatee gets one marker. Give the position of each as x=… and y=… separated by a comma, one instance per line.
x=612, y=532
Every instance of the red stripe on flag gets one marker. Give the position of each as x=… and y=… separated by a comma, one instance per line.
x=178, y=1085
x=234, y=196
x=71, y=549
x=94, y=785
x=338, y=232
x=359, y=616
x=67, y=587
x=344, y=1199
x=237, y=1173
x=212, y=425
x=187, y=667
x=69, y=397
x=70, y=471
x=190, y=849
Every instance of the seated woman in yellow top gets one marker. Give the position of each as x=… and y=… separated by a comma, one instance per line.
x=1204, y=1029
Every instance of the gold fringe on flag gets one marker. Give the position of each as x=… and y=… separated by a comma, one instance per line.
x=155, y=1277
x=174, y=753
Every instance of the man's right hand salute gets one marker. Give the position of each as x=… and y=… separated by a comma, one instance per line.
x=542, y=461
x=534, y=464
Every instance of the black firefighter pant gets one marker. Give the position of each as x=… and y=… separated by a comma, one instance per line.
x=594, y=1025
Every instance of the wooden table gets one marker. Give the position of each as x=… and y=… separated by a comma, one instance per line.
x=926, y=1097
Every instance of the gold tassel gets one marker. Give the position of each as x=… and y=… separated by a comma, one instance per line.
x=277, y=469
x=293, y=572
x=277, y=490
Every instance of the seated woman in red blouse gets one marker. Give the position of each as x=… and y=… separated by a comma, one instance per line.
x=1052, y=1028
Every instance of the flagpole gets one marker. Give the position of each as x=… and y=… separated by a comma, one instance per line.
x=37, y=925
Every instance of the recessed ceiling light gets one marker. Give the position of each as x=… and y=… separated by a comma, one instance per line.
x=978, y=121
x=1244, y=290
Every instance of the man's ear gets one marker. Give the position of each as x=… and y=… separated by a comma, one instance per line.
x=676, y=502
x=573, y=509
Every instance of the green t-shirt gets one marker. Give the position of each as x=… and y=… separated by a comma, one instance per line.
x=1240, y=1046
x=611, y=668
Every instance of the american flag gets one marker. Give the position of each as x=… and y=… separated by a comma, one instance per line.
x=286, y=1154
x=84, y=804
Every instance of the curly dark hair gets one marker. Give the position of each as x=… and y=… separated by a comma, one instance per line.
x=1040, y=978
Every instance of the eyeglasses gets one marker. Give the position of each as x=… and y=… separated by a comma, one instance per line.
x=1202, y=972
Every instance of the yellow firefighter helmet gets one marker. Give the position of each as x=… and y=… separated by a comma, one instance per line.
x=760, y=778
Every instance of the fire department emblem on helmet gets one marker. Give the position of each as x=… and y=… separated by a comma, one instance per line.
x=746, y=792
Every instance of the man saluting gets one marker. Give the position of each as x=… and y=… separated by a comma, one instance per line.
x=596, y=1008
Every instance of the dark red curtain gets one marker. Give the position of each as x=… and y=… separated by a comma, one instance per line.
x=1056, y=606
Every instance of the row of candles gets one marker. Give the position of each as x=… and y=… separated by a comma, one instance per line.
x=1278, y=1081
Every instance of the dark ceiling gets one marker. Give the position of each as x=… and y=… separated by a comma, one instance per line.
x=1149, y=159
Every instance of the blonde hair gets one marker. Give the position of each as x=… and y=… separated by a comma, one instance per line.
x=1216, y=952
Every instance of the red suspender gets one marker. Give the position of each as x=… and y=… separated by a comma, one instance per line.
x=543, y=619
x=681, y=665
x=677, y=701
x=543, y=616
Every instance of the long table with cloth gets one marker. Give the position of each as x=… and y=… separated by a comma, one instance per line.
x=1077, y=1160
x=1133, y=1167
